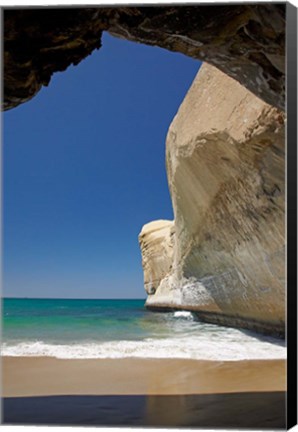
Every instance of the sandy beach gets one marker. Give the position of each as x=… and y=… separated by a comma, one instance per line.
x=143, y=392
x=41, y=376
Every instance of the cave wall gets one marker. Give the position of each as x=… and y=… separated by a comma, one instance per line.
x=247, y=42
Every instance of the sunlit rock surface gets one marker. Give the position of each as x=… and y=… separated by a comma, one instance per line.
x=156, y=242
x=225, y=165
x=247, y=42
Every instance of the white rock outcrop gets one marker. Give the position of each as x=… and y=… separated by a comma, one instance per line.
x=225, y=257
x=156, y=241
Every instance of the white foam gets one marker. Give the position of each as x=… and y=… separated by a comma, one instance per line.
x=235, y=346
x=183, y=314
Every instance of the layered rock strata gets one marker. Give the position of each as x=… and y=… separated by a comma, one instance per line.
x=247, y=42
x=225, y=166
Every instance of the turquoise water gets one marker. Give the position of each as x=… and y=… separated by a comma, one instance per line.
x=121, y=328
x=58, y=320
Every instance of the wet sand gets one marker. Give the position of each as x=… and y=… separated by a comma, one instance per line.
x=144, y=392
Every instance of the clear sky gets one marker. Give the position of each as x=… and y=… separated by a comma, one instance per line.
x=84, y=170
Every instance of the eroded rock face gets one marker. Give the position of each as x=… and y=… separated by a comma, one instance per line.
x=247, y=42
x=156, y=242
x=225, y=166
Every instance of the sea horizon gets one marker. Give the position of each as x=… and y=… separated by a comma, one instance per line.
x=73, y=298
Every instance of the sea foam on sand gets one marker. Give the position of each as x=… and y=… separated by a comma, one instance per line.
x=234, y=346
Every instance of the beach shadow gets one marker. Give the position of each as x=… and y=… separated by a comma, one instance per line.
x=259, y=410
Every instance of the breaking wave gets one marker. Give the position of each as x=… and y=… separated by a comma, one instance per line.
x=183, y=314
x=243, y=347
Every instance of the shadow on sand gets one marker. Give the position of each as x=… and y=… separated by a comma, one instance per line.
x=259, y=410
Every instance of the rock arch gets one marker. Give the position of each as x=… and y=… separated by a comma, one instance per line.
x=247, y=42
x=240, y=277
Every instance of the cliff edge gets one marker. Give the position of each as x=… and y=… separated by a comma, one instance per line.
x=223, y=256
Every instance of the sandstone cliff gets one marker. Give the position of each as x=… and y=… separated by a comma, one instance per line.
x=156, y=241
x=225, y=167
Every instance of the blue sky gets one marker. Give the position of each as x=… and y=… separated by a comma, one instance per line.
x=84, y=170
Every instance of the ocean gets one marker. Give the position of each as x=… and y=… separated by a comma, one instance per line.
x=122, y=328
